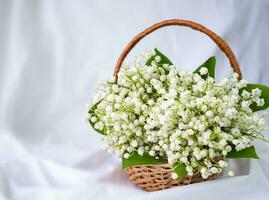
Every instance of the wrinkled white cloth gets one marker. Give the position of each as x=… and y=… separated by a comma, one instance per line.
x=53, y=54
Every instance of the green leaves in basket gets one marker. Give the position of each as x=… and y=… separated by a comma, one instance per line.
x=245, y=153
x=92, y=112
x=164, y=59
x=136, y=159
x=210, y=65
x=264, y=95
x=180, y=170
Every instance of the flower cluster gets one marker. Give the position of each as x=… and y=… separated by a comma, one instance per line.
x=167, y=113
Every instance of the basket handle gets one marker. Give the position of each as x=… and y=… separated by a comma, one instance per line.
x=217, y=39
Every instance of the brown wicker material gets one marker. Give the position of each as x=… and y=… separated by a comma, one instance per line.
x=158, y=177
x=217, y=39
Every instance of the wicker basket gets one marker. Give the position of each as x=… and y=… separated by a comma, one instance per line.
x=158, y=177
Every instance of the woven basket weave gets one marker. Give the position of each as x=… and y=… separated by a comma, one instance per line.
x=158, y=177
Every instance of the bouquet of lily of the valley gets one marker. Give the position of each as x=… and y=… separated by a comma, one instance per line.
x=174, y=127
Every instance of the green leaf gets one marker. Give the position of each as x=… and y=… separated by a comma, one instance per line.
x=210, y=65
x=164, y=59
x=180, y=170
x=136, y=159
x=94, y=106
x=245, y=153
x=92, y=112
x=264, y=95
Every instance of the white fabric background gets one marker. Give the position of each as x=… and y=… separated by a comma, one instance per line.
x=52, y=55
